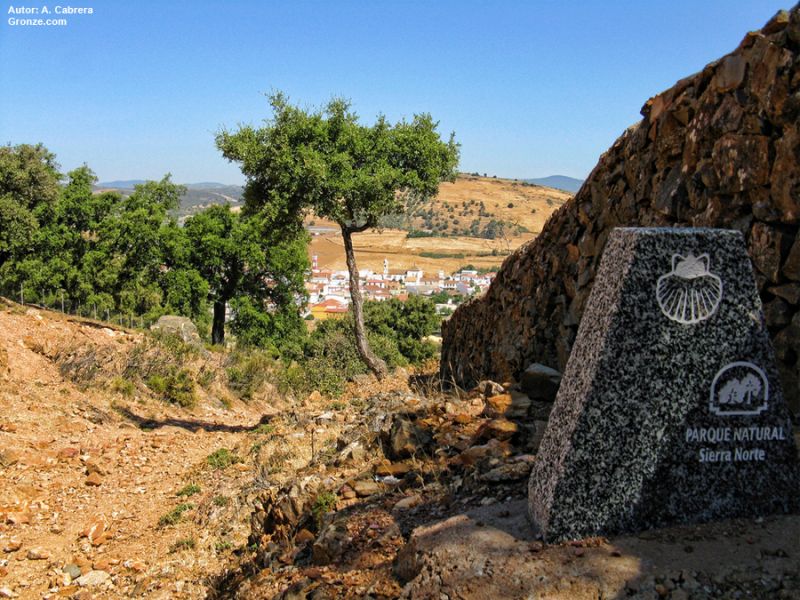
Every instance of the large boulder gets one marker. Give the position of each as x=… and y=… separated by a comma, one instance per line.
x=181, y=327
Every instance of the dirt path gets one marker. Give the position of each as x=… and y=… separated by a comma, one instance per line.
x=89, y=478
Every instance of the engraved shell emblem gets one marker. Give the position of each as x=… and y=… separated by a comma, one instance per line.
x=689, y=293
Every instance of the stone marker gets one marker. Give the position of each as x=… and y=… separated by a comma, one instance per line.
x=670, y=409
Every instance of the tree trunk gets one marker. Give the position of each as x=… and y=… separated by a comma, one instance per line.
x=375, y=364
x=218, y=327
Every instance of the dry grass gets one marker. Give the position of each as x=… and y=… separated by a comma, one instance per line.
x=530, y=208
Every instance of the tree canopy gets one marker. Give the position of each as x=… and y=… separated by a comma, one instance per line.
x=326, y=162
x=104, y=253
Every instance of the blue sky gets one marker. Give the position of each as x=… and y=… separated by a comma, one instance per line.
x=531, y=88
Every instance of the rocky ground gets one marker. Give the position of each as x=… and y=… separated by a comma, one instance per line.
x=395, y=490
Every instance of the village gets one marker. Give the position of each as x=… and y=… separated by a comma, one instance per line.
x=329, y=290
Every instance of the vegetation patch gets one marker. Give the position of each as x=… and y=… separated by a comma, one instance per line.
x=173, y=517
x=188, y=490
x=187, y=543
x=248, y=370
x=323, y=504
x=222, y=459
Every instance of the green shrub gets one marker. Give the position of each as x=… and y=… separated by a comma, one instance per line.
x=177, y=388
x=183, y=544
x=323, y=504
x=248, y=370
x=174, y=516
x=405, y=324
x=222, y=459
x=221, y=501
x=123, y=386
x=205, y=377
x=188, y=490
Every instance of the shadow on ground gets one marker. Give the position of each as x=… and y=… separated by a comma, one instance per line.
x=188, y=424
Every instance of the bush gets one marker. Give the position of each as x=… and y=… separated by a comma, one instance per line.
x=323, y=504
x=188, y=490
x=177, y=388
x=253, y=326
x=331, y=359
x=123, y=386
x=405, y=324
x=222, y=459
x=248, y=370
x=183, y=544
x=174, y=516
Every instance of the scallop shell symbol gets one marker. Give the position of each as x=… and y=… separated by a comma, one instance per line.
x=689, y=293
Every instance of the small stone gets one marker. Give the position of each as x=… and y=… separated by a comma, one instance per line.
x=730, y=73
x=93, y=467
x=500, y=429
x=73, y=570
x=94, y=480
x=366, y=487
x=68, y=453
x=347, y=492
x=12, y=546
x=408, y=502
x=8, y=458
x=540, y=382
x=97, y=532
x=7, y=593
x=93, y=578
x=393, y=469
x=406, y=439
x=509, y=472
x=102, y=565
x=37, y=554
x=489, y=388
x=788, y=291
x=776, y=23
x=497, y=405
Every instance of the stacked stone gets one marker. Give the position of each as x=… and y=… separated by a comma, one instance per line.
x=719, y=149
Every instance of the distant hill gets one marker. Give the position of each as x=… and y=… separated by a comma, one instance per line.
x=561, y=182
x=197, y=197
x=127, y=184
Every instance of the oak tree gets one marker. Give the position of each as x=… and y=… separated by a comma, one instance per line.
x=326, y=162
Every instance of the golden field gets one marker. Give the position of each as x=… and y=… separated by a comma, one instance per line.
x=457, y=204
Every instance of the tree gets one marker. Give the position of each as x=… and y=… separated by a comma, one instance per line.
x=29, y=179
x=215, y=240
x=325, y=161
x=262, y=269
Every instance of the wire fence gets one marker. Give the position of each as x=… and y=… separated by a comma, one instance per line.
x=58, y=301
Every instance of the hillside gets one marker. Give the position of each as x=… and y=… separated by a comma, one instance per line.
x=109, y=492
x=460, y=220
x=561, y=182
x=197, y=197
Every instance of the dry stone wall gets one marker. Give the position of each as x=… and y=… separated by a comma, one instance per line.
x=719, y=149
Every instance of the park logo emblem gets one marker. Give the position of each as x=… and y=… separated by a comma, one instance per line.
x=739, y=389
